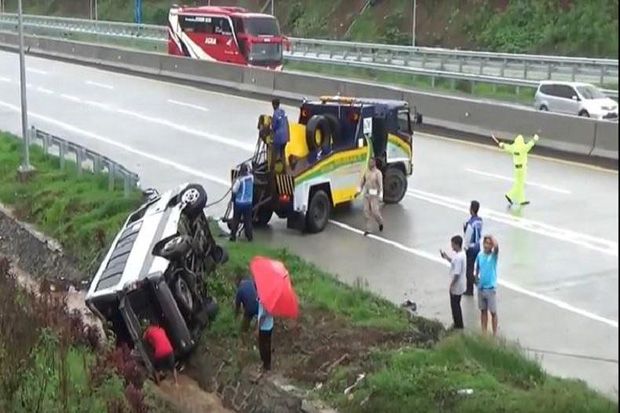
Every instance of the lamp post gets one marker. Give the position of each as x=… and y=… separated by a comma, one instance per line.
x=273, y=7
x=25, y=167
x=415, y=6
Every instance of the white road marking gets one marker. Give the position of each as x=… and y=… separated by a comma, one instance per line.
x=127, y=148
x=208, y=136
x=504, y=283
x=99, y=105
x=226, y=183
x=71, y=98
x=44, y=90
x=37, y=71
x=188, y=105
x=5, y=79
x=101, y=85
x=594, y=243
x=509, y=179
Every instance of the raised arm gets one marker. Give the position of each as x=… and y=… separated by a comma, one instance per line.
x=531, y=143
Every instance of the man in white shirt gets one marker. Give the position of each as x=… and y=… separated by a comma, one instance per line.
x=458, y=265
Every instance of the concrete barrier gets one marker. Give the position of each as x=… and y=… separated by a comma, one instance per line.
x=258, y=80
x=564, y=133
x=606, y=140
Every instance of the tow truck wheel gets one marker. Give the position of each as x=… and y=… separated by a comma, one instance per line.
x=318, y=211
x=394, y=185
x=183, y=295
x=262, y=217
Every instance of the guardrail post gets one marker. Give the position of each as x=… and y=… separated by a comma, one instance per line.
x=502, y=69
x=126, y=184
x=62, y=153
x=79, y=159
x=574, y=73
x=550, y=71
x=602, y=81
x=481, y=67
x=423, y=61
x=433, y=82
x=525, y=67
x=97, y=164
x=111, y=175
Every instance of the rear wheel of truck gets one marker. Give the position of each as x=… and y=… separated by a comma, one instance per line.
x=183, y=295
x=394, y=185
x=319, y=211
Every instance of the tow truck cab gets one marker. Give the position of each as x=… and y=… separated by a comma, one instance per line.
x=326, y=155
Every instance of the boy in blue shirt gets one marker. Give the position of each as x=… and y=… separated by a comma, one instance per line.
x=486, y=280
x=265, y=329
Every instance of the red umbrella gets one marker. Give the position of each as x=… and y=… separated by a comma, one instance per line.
x=274, y=287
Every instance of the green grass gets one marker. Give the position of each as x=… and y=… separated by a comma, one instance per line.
x=423, y=83
x=428, y=380
x=317, y=290
x=79, y=211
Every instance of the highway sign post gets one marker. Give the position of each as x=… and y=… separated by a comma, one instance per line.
x=25, y=168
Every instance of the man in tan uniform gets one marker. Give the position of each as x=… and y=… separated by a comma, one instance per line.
x=372, y=190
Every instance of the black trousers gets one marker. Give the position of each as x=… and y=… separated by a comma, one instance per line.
x=471, y=255
x=264, y=348
x=239, y=213
x=457, y=314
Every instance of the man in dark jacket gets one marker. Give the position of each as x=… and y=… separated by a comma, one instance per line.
x=471, y=243
x=279, y=126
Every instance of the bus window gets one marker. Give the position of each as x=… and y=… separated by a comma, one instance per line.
x=261, y=26
x=205, y=25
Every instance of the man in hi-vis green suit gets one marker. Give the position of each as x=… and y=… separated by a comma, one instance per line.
x=519, y=150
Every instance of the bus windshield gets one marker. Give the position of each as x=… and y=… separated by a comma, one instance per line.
x=261, y=26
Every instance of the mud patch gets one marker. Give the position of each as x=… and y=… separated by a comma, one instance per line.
x=305, y=354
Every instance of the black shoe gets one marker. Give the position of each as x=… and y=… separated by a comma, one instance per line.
x=232, y=239
x=381, y=228
x=508, y=199
x=525, y=203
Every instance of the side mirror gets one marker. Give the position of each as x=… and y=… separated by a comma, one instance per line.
x=575, y=98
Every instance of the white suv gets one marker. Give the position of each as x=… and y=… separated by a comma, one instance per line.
x=580, y=99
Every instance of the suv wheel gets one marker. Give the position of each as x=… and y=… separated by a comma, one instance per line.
x=543, y=108
x=183, y=295
x=194, y=197
x=263, y=216
x=319, y=211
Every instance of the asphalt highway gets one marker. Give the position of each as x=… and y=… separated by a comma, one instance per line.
x=558, y=266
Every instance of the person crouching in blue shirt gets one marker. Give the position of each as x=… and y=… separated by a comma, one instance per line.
x=243, y=193
x=279, y=126
x=246, y=297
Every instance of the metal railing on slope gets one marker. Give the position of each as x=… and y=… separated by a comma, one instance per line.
x=84, y=159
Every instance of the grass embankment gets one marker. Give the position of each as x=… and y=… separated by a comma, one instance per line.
x=410, y=364
x=79, y=211
x=50, y=361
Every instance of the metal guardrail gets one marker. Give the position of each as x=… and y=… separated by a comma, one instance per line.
x=484, y=67
x=84, y=159
x=506, y=65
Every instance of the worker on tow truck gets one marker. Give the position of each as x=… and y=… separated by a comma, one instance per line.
x=325, y=157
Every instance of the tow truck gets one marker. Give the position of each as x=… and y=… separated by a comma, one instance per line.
x=327, y=153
